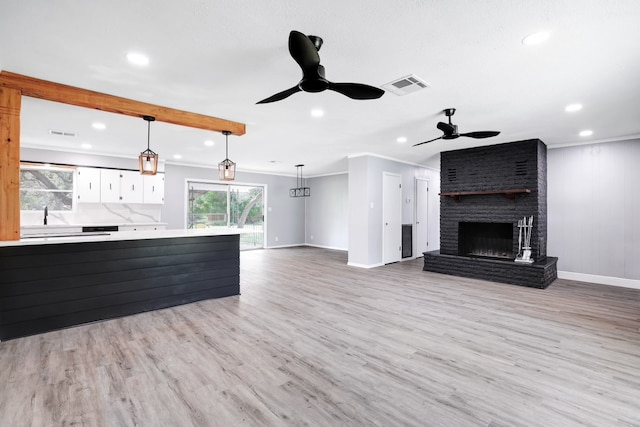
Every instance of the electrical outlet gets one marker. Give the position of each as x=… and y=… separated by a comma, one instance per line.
x=276, y=239
x=311, y=237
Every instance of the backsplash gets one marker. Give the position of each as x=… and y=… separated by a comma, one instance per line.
x=97, y=214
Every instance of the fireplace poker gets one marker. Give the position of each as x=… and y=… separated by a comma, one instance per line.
x=519, y=239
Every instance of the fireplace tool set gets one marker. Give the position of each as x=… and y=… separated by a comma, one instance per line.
x=525, y=226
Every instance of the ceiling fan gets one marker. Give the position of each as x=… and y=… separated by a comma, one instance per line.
x=451, y=131
x=304, y=49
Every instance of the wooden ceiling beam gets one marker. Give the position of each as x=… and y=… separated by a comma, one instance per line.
x=50, y=91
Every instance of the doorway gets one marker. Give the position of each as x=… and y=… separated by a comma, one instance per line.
x=228, y=206
x=391, y=218
x=422, y=210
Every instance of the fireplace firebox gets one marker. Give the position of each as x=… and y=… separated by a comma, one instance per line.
x=486, y=239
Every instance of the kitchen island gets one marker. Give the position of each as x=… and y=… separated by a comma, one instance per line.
x=50, y=283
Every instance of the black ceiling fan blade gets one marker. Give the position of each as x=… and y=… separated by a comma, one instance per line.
x=303, y=51
x=481, y=134
x=446, y=128
x=279, y=96
x=356, y=90
x=426, y=142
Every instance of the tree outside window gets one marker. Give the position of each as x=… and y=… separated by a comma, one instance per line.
x=40, y=187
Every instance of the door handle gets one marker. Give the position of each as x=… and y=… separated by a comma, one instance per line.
x=386, y=223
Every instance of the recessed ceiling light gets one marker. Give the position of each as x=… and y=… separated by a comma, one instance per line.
x=209, y=143
x=99, y=126
x=138, y=59
x=536, y=38
x=401, y=139
x=86, y=146
x=317, y=112
x=177, y=156
x=573, y=108
x=586, y=133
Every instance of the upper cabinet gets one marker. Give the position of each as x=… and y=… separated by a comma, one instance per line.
x=131, y=187
x=109, y=186
x=88, y=185
x=96, y=185
x=153, y=186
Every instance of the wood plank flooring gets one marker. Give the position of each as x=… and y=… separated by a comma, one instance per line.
x=313, y=342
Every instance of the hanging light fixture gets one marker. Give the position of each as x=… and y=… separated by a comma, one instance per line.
x=299, y=191
x=148, y=159
x=226, y=168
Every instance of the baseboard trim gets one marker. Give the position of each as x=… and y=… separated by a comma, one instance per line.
x=600, y=280
x=295, y=245
x=325, y=247
x=355, y=264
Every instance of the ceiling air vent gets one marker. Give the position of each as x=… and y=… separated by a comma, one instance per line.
x=406, y=85
x=60, y=133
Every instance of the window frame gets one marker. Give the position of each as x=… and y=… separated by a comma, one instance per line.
x=49, y=167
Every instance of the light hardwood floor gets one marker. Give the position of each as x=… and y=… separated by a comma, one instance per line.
x=314, y=342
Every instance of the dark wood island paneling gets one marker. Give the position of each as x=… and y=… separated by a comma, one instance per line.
x=52, y=286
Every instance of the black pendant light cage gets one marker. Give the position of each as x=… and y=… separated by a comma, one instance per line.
x=226, y=168
x=300, y=190
x=148, y=160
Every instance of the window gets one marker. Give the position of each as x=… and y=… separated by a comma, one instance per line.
x=46, y=186
x=237, y=206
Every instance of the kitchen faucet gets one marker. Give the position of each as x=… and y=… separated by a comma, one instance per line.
x=46, y=212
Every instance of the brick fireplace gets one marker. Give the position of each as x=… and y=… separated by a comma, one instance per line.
x=484, y=192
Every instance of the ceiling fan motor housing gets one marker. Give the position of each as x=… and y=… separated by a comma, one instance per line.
x=317, y=41
x=315, y=82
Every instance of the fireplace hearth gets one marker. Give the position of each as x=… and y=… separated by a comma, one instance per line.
x=485, y=191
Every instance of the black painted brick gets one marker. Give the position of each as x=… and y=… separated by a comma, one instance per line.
x=492, y=168
x=537, y=275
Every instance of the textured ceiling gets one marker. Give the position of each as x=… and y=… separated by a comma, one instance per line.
x=220, y=57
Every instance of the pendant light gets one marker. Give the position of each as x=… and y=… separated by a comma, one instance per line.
x=299, y=191
x=148, y=159
x=226, y=168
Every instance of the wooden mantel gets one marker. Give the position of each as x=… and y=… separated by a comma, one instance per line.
x=13, y=86
x=510, y=194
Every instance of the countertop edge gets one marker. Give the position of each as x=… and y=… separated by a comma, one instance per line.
x=119, y=235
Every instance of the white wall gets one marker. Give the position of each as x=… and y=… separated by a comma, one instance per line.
x=80, y=159
x=365, y=205
x=594, y=212
x=327, y=212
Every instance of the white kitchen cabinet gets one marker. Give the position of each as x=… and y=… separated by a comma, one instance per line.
x=95, y=185
x=88, y=185
x=109, y=186
x=131, y=187
x=153, y=186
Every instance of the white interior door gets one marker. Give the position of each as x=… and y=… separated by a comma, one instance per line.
x=422, y=233
x=392, y=218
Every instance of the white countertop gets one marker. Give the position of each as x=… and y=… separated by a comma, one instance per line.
x=119, y=235
x=119, y=224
